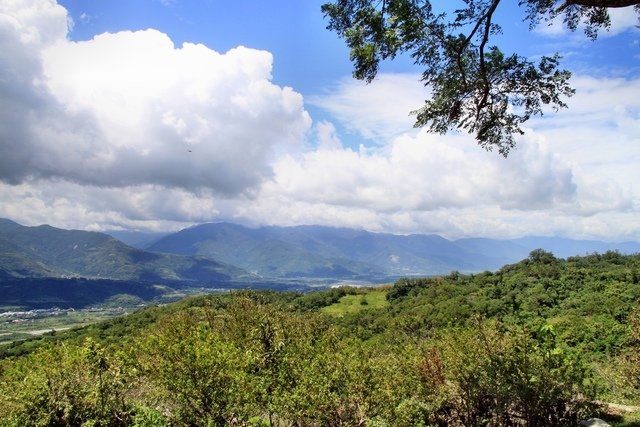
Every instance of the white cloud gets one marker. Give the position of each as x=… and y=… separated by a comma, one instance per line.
x=132, y=109
x=423, y=173
x=599, y=132
x=129, y=131
x=71, y=205
x=573, y=174
x=327, y=136
x=622, y=19
x=379, y=110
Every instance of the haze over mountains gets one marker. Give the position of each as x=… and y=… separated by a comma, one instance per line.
x=219, y=252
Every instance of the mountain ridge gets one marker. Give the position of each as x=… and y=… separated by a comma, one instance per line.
x=45, y=251
x=226, y=251
x=394, y=255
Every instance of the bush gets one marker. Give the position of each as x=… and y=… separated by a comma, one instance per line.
x=479, y=376
x=66, y=386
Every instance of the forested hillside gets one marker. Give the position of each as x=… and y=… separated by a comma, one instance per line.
x=316, y=251
x=537, y=343
x=45, y=251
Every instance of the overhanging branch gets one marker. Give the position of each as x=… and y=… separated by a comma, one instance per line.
x=483, y=71
x=598, y=3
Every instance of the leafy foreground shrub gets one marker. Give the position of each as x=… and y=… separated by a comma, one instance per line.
x=253, y=364
x=484, y=376
x=66, y=386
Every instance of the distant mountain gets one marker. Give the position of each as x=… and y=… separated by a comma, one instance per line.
x=225, y=251
x=316, y=251
x=136, y=239
x=395, y=254
x=45, y=251
x=267, y=251
x=505, y=250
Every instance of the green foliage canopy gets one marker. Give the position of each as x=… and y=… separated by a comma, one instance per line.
x=474, y=86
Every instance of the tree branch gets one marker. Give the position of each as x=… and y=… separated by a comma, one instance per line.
x=483, y=71
x=597, y=3
x=488, y=14
x=485, y=38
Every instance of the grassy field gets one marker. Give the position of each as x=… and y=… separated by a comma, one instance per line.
x=368, y=299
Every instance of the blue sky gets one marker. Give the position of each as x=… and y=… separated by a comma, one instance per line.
x=148, y=115
x=306, y=55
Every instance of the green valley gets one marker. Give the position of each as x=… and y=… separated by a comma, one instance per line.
x=542, y=342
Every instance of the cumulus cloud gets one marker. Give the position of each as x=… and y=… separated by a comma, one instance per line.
x=327, y=136
x=132, y=109
x=146, y=207
x=425, y=173
x=599, y=132
x=126, y=130
x=572, y=174
x=24, y=32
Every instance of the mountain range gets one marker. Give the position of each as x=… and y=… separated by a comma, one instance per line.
x=45, y=251
x=316, y=251
x=219, y=252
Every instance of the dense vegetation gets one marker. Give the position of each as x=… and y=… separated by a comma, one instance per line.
x=535, y=344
